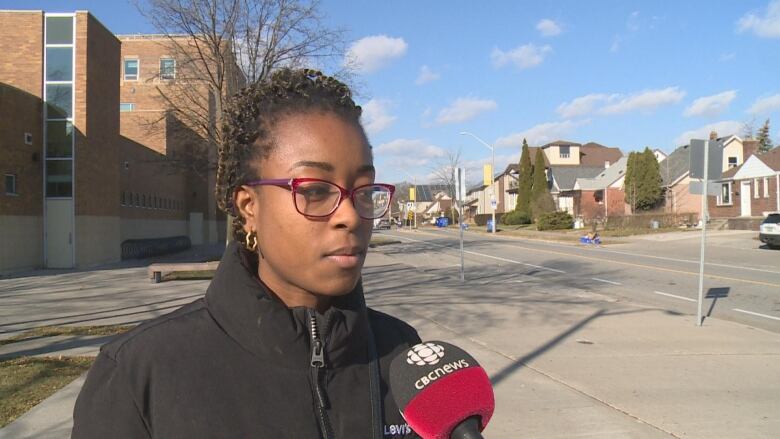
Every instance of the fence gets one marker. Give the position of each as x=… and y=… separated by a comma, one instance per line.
x=645, y=220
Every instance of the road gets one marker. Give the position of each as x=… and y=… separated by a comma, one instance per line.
x=742, y=280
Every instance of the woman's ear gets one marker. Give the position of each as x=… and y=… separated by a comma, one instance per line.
x=244, y=200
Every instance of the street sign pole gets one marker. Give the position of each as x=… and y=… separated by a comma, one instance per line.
x=704, y=215
x=460, y=196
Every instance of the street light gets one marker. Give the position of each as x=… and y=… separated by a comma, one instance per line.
x=493, y=197
x=414, y=183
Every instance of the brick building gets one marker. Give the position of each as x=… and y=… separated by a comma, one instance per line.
x=749, y=190
x=75, y=183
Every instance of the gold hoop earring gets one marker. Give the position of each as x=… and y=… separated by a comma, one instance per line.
x=250, y=242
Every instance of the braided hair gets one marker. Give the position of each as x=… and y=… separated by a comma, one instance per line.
x=250, y=118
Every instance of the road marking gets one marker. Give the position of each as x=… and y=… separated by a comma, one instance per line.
x=606, y=281
x=756, y=314
x=490, y=256
x=675, y=296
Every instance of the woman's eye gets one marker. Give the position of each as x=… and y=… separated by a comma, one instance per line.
x=315, y=192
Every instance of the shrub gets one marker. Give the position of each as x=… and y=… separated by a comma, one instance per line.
x=555, y=221
x=516, y=217
x=482, y=218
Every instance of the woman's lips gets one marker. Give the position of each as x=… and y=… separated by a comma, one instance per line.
x=345, y=261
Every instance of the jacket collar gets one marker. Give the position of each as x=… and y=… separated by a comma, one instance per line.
x=244, y=308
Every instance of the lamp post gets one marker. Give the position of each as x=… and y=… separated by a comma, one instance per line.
x=414, y=183
x=492, y=178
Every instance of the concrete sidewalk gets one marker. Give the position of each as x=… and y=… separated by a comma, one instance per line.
x=565, y=362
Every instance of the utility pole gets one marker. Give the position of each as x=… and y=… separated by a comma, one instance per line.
x=493, y=197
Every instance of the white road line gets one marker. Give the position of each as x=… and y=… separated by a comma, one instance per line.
x=675, y=296
x=491, y=257
x=606, y=281
x=756, y=314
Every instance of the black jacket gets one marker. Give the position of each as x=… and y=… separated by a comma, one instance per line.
x=238, y=364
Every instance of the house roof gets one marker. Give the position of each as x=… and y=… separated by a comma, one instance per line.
x=605, y=178
x=566, y=176
x=561, y=143
x=592, y=154
x=427, y=192
x=770, y=158
x=675, y=165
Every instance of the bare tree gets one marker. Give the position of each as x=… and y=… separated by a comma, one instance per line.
x=443, y=171
x=749, y=128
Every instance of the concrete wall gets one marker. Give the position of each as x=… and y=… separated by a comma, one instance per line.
x=22, y=238
x=133, y=228
x=97, y=240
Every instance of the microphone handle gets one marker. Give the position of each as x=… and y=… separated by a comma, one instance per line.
x=468, y=429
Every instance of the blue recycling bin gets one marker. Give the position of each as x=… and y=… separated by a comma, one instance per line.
x=442, y=221
x=490, y=225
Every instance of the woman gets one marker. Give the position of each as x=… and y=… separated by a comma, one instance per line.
x=282, y=345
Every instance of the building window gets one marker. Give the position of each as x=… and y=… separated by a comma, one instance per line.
x=598, y=196
x=766, y=187
x=724, y=199
x=59, y=178
x=143, y=200
x=564, y=151
x=122, y=198
x=126, y=106
x=131, y=69
x=167, y=68
x=10, y=184
x=732, y=162
x=755, y=188
x=28, y=138
x=59, y=30
x=135, y=203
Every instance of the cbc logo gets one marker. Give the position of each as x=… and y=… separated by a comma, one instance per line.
x=425, y=353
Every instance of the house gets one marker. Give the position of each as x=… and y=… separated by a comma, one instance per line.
x=675, y=172
x=566, y=153
x=659, y=155
x=749, y=190
x=602, y=196
x=562, y=179
x=505, y=185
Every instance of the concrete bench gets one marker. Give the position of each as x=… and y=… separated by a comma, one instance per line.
x=156, y=271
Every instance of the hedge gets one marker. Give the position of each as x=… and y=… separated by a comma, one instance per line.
x=516, y=217
x=482, y=218
x=555, y=221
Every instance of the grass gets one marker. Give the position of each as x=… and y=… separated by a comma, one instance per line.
x=378, y=240
x=50, y=331
x=26, y=381
x=190, y=275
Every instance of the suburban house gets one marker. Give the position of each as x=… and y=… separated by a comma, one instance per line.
x=749, y=190
x=562, y=180
x=675, y=172
x=478, y=198
x=602, y=196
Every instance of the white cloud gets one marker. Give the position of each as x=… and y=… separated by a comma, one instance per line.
x=711, y=106
x=548, y=28
x=766, y=26
x=523, y=57
x=376, y=117
x=722, y=128
x=541, y=134
x=409, y=152
x=582, y=105
x=765, y=105
x=426, y=75
x=373, y=53
x=645, y=101
x=464, y=109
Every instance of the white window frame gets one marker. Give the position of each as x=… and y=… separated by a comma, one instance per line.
x=731, y=195
x=766, y=187
x=561, y=153
x=138, y=69
x=13, y=192
x=756, y=191
x=166, y=58
x=732, y=165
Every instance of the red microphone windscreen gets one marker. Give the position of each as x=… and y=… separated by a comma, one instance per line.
x=437, y=386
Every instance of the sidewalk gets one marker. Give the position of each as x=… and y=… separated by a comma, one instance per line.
x=565, y=362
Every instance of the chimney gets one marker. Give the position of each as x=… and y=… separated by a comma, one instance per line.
x=713, y=135
x=749, y=147
x=606, y=164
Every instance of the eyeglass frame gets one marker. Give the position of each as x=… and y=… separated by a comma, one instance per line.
x=292, y=183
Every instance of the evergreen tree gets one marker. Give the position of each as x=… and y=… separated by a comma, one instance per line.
x=629, y=183
x=642, y=183
x=526, y=182
x=542, y=201
x=763, y=137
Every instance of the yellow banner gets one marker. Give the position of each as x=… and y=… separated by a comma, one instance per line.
x=487, y=175
x=412, y=194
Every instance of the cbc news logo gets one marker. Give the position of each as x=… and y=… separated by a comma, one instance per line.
x=425, y=354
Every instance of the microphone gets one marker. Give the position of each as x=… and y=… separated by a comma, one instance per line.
x=442, y=392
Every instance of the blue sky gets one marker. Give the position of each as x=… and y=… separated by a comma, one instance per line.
x=621, y=73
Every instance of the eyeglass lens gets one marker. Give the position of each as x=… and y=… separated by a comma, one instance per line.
x=318, y=198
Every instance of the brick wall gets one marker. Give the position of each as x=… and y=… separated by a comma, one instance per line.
x=757, y=205
x=21, y=91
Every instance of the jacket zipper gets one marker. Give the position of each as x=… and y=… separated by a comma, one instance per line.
x=317, y=365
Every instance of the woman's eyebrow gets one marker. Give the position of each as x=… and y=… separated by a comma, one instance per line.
x=325, y=166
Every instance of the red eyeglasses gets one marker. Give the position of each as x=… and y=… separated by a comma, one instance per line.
x=315, y=198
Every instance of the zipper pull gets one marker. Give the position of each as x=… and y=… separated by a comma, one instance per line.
x=317, y=356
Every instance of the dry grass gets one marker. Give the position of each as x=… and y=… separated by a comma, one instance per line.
x=26, y=381
x=49, y=331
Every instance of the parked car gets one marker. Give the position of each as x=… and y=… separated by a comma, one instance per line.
x=382, y=224
x=769, y=233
